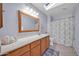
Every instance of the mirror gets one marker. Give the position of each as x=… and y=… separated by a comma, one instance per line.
x=27, y=23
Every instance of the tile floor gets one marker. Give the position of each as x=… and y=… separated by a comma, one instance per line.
x=64, y=51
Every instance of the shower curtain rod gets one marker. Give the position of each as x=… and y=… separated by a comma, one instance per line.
x=64, y=18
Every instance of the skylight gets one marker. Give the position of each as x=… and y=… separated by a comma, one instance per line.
x=48, y=6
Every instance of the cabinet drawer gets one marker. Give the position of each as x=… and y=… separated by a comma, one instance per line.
x=25, y=49
x=19, y=51
x=35, y=51
x=35, y=43
x=26, y=54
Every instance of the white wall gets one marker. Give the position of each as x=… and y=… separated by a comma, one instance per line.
x=76, y=41
x=49, y=24
x=10, y=26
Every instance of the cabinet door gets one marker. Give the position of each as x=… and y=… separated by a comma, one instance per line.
x=35, y=51
x=26, y=54
x=43, y=45
x=47, y=42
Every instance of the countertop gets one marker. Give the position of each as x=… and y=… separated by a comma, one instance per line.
x=20, y=42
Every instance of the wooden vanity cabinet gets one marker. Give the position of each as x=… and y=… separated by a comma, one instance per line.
x=26, y=53
x=36, y=48
x=35, y=51
x=47, y=42
x=20, y=51
x=43, y=45
x=35, y=43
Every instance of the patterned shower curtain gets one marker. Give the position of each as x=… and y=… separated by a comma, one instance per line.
x=62, y=31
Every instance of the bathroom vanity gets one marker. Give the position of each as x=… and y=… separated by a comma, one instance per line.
x=32, y=46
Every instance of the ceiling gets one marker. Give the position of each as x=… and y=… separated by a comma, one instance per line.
x=61, y=8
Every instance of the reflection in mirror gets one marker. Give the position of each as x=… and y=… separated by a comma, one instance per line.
x=27, y=23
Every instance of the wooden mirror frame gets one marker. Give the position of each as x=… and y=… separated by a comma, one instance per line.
x=20, y=14
x=1, y=16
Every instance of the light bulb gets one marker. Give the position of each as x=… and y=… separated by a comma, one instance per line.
x=31, y=10
x=27, y=8
x=34, y=13
x=37, y=14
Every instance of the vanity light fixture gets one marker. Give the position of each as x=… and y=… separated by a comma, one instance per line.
x=30, y=11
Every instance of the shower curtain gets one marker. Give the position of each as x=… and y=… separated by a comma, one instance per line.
x=62, y=31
